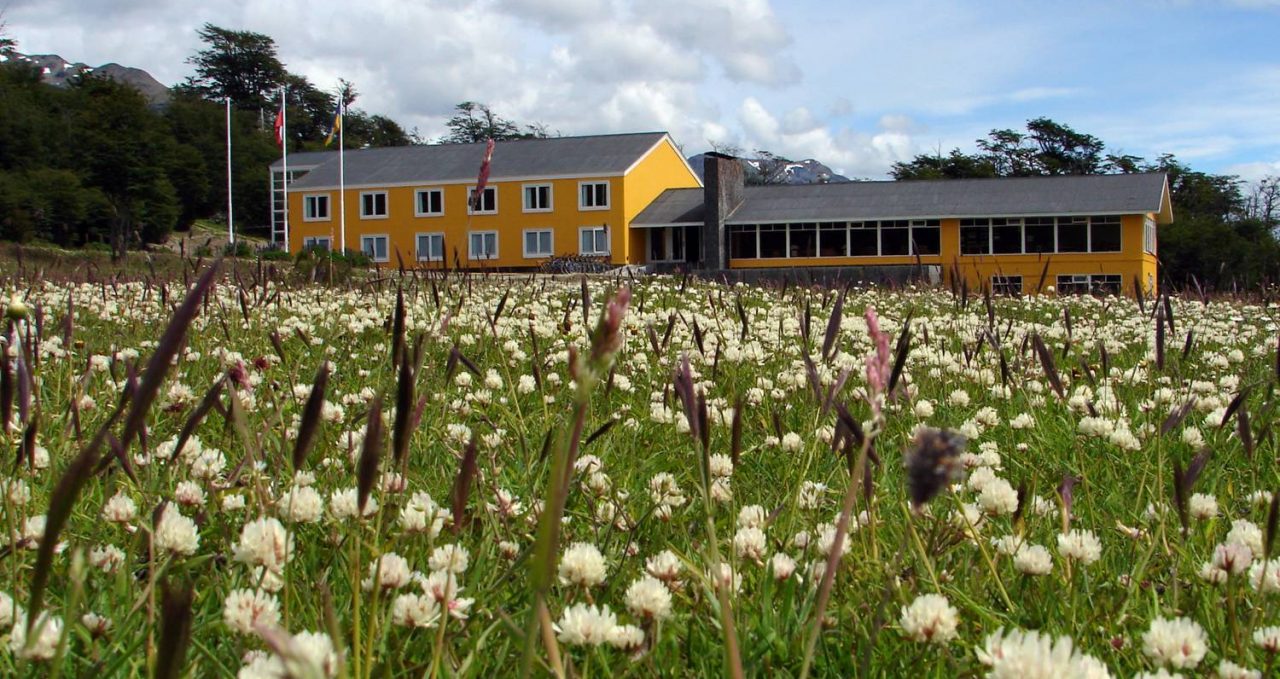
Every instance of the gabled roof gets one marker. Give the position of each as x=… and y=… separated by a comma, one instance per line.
x=554, y=157
x=927, y=199
x=305, y=160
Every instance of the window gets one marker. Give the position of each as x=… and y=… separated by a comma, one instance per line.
x=926, y=237
x=482, y=245
x=803, y=240
x=773, y=240
x=430, y=247
x=428, y=202
x=315, y=208
x=864, y=239
x=1038, y=235
x=1098, y=283
x=488, y=203
x=593, y=240
x=537, y=198
x=975, y=236
x=895, y=237
x=1104, y=234
x=1149, y=235
x=1006, y=285
x=593, y=195
x=316, y=243
x=1006, y=236
x=1073, y=234
x=373, y=205
x=537, y=243
x=374, y=247
x=742, y=242
x=833, y=239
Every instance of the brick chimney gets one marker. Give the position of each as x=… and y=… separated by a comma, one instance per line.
x=723, y=188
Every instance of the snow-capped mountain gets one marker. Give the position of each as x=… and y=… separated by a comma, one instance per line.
x=59, y=72
x=774, y=170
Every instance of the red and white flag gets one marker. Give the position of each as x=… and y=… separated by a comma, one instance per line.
x=483, y=179
x=280, y=126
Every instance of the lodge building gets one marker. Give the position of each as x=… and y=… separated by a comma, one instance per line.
x=633, y=199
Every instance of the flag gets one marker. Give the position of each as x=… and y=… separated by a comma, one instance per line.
x=280, y=125
x=483, y=179
x=337, y=123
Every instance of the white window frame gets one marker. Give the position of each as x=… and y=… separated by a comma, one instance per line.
x=1005, y=281
x=471, y=254
x=551, y=244
x=314, y=242
x=1148, y=234
x=418, y=253
x=417, y=203
x=608, y=241
x=386, y=205
x=608, y=196
x=524, y=197
x=471, y=191
x=311, y=199
x=374, y=256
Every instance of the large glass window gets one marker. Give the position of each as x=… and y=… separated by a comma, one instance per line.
x=742, y=242
x=864, y=239
x=1006, y=285
x=315, y=208
x=1006, y=236
x=537, y=243
x=804, y=240
x=1104, y=234
x=428, y=202
x=833, y=239
x=482, y=245
x=773, y=240
x=430, y=247
x=1149, y=235
x=926, y=237
x=537, y=198
x=593, y=240
x=1038, y=232
x=975, y=236
x=895, y=238
x=373, y=204
x=484, y=204
x=593, y=196
x=1073, y=234
x=374, y=247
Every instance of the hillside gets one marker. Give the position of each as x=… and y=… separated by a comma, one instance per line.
x=56, y=71
x=780, y=170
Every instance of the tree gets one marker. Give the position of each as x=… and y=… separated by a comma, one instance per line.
x=955, y=165
x=242, y=65
x=766, y=169
x=473, y=122
x=7, y=43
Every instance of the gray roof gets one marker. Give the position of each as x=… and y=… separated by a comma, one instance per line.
x=600, y=155
x=305, y=159
x=1016, y=196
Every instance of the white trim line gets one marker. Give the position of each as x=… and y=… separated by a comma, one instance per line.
x=427, y=181
x=666, y=136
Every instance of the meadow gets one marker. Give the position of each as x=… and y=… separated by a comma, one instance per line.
x=436, y=474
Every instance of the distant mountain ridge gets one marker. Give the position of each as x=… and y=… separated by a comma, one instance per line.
x=779, y=170
x=59, y=72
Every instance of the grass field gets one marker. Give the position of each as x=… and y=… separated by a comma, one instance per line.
x=633, y=478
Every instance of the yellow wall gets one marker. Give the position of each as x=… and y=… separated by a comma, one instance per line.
x=1131, y=261
x=628, y=195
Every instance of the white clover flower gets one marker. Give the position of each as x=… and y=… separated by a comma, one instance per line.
x=1202, y=506
x=245, y=608
x=665, y=566
x=443, y=587
x=120, y=509
x=648, y=598
x=389, y=571
x=752, y=516
x=1245, y=532
x=233, y=502
x=176, y=533
x=923, y=409
x=106, y=558
x=811, y=493
x=998, y=498
x=1264, y=575
x=1268, y=639
x=791, y=442
x=415, y=610
x=449, y=558
x=782, y=566
x=264, y=542
x=721, y=465
x=422, y=515
x=301, y=504
x=345, y=504
x=44, y=646
x=1081, y=546
x=1179, y=642
x=627, y=638
x=1032, y=560
x=584, y=625
x=97, y=625
x=1232, y=558
x=930, y=618
x=1230, y=670
x=1018, y=654
x=189, y=493
x=582, y=565
x=10, y=611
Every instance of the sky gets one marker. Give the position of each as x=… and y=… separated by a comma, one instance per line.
x=857, y=85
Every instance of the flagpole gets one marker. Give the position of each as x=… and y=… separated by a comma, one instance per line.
x=342, y=178
x=284, y=146
x=231, y=230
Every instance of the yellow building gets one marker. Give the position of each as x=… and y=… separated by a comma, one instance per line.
x=633, y=199
x=1094, y=233
x=544, y=198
